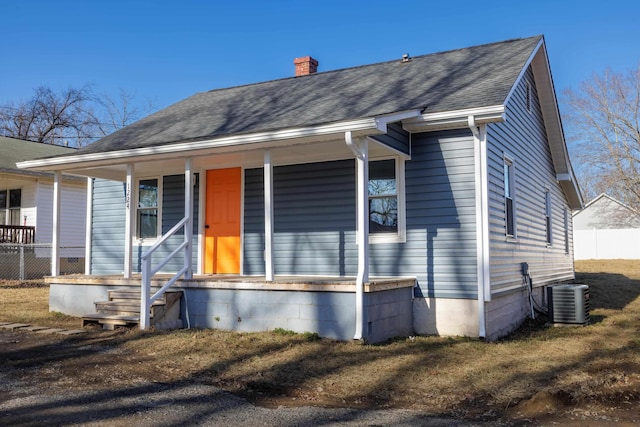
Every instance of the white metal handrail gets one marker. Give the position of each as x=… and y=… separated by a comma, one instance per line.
x=147, y=272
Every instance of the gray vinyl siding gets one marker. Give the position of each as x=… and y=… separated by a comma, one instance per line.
x=253, y=223
x=441, y=215
x=107, y=227
x=315, y=218
x=396, y=138
x=108, y=224
x=522, y=136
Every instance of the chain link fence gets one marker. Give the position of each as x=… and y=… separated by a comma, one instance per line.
x=20, y=261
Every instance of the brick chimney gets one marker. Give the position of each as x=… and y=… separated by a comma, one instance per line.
x=305, y=65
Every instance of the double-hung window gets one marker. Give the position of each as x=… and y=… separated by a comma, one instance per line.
x=147, y=213
x=509, y=197
x=386, y=201
x=10, y=203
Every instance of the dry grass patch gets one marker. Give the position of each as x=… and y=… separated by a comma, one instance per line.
x=28, y=302
x=449, y=376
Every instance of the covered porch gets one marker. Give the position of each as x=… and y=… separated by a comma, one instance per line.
x=360, y=140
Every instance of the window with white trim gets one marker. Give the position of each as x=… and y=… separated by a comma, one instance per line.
x=148, y=209
x=509, y=197
x=10, y=204
x=386, y=200
x=547, y=215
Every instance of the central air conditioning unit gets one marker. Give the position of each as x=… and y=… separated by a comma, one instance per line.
x=568, y=304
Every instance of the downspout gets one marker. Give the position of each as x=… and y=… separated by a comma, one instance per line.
x=361, y=151
x=482, y=219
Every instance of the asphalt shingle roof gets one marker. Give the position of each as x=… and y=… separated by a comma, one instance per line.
x=459, y=79
x=14, y=150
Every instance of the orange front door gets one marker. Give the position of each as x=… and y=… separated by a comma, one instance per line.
x=222, y=221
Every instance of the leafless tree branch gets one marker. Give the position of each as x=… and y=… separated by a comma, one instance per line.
x=603, y=122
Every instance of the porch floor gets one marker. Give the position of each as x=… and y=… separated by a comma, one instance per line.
x=213, y=281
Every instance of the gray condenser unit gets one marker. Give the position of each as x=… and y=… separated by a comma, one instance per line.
x=568, y=304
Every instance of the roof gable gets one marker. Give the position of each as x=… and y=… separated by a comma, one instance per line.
x=605, y=212
x=539, y=62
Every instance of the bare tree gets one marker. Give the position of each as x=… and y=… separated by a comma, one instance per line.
x=74, y=116
x=603, y=121
x=119, y=112
x=51, y=117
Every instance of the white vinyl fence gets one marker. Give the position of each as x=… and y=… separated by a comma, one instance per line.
x=606, y=244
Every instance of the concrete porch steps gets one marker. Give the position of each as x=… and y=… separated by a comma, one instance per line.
x=123, y=309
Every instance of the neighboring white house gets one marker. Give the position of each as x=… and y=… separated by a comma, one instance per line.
x=26, y=210
x=606, y=229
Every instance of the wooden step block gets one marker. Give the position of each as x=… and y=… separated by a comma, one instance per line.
x=109, y=320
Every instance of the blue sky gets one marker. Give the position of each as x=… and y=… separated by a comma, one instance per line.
x=165, y=51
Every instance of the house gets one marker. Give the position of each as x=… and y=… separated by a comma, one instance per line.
x=606, y=229
x=26, y=212
x=383, y=200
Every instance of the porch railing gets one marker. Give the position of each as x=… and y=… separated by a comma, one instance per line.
x=17, y=234
x=148, y=272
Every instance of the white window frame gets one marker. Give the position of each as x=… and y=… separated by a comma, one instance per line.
x=566, y=231
x=5, y=209
x=401, y=235
x=148, y=241
x=548, y=219
x=8, y=209
x=509, y=161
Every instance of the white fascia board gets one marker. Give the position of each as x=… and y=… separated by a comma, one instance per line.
x=383, y=121
x=456, y=118
x=524, y=70
x=553, y=122
x=368, y=125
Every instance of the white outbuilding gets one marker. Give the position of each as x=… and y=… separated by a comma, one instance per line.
x=606, y=229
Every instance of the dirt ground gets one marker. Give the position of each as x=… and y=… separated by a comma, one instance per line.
x=584, y=376
x=90, y=379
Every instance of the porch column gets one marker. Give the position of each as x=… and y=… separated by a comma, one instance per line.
x=188, y=214
x=129, y=219
x=55, y=238
x=88, y=237
x=268, y=217
x=361, y=150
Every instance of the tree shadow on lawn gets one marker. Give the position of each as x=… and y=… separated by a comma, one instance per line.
x=199, y=390
x=609, y=291
x=196, y=396
x=186, y=400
